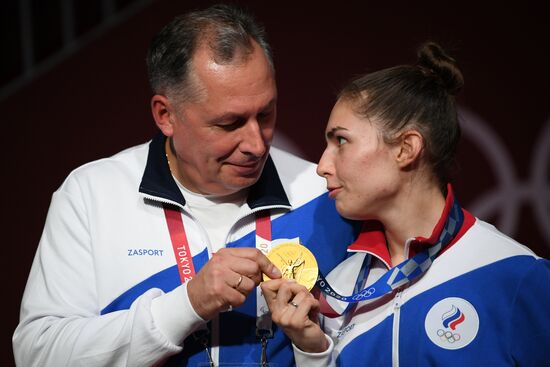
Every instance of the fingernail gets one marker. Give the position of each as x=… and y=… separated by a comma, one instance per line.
x=276, y=271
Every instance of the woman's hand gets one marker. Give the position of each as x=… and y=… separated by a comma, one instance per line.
x=296, y=311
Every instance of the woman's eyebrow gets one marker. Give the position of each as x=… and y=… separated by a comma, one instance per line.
x=331, y=132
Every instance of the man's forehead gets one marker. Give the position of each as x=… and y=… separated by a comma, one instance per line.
x=206, y=57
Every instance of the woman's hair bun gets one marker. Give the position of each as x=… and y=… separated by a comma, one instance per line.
x=435, y=62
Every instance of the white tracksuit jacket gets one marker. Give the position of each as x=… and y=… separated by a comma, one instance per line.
x=106, y=253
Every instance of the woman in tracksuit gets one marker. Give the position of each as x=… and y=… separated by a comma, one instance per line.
x=426, y=283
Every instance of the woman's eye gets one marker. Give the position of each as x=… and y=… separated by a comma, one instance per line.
x=341, y=140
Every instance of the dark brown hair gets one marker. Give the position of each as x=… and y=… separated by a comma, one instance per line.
x=419, y=97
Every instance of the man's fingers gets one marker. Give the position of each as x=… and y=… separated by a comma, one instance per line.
x=267, y=267
x=227, y=279
x=248, y=261
x=263, y=262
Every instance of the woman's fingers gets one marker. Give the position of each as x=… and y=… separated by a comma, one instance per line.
x=296, y=311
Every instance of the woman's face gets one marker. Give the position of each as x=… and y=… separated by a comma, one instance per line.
x=361, y=171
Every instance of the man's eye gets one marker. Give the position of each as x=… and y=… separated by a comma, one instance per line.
x=232, y=125
x=341, y=140
x=264, y=116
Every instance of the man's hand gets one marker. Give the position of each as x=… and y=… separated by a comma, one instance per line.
x=227, y=279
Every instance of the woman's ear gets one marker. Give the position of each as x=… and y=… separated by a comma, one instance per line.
x=410, y=148
x=163, y=113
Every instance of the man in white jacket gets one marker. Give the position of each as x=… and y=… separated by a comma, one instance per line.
x=153, y=256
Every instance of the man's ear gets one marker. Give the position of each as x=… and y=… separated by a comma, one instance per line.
x=163, y=113
x=410, y=148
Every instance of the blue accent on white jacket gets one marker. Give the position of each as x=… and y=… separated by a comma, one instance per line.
x=105, y=255
x=497, y=289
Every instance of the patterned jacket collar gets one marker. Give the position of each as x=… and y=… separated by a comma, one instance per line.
x=372, y=238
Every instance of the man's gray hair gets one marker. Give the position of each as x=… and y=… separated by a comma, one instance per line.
x=227, y=30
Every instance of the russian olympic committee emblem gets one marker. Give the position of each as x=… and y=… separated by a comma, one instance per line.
x=452, y=323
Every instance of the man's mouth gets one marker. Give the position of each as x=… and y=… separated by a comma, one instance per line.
x=248, y=168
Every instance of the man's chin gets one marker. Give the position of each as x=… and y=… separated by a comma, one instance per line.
x=240, y=183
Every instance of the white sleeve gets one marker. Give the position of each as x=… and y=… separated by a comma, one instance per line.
x=304, y=359
x=176, y=325
x=61, y=322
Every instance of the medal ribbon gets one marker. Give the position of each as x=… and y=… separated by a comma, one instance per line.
x=180, y=244
x=408, y=270
x=182, y=252
x=186, y=269
x=263, y=243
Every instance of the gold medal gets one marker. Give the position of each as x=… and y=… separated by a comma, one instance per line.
x=295, y=262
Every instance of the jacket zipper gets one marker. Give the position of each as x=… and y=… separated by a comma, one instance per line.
x=395, y=330
x=214, y=354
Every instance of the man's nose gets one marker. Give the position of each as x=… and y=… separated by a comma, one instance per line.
x=253, y=140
